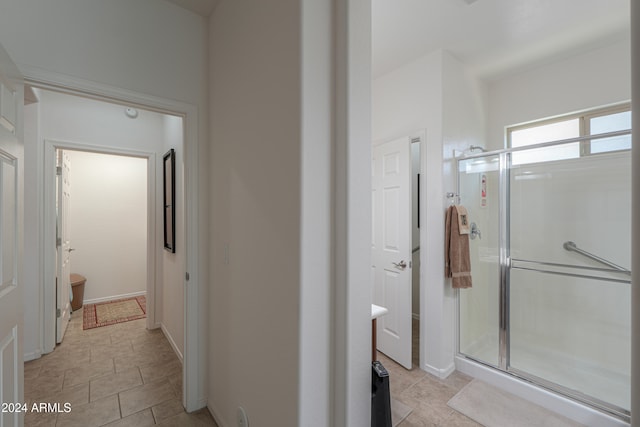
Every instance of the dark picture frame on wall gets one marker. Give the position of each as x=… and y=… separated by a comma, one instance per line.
x=169, y=169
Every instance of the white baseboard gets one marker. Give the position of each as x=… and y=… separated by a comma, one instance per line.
x=441, y=373
x=202, y=403
x=215, y=416
x=166, y=333
x=113, y=297
x=33, y=355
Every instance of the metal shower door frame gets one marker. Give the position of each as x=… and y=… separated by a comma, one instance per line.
x=505, y=266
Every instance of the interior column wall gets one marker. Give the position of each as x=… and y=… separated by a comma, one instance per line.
x=316, y=212
x=256, y=188
x=352, y=215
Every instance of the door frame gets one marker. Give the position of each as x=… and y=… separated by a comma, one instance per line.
x=406, y=139
x=49, y=229
x=61, y=283
x=419, y=136
x=195, y=338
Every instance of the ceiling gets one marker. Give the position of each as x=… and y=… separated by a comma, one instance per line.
x=493, y=37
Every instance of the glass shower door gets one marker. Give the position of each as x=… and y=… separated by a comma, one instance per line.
x=569, y=315
x=478, y=186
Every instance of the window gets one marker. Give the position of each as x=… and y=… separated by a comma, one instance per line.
x=594, y=122
x=599, y=124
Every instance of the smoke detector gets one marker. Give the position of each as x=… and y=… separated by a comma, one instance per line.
x=132, y=113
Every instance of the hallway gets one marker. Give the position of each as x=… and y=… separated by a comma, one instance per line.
x=118, y=375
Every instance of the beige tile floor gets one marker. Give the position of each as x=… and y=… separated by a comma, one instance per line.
x=424, y=393
x=118, y=375
x=126, y=375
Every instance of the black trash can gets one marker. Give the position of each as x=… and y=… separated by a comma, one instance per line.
x=380, y=397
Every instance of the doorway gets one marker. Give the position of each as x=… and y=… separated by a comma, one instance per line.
x=74, y=117
x=106, y=221
x=184, y=126
x=77, y=124
x=396, y=203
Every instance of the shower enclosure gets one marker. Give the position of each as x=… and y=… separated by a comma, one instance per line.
x=550, y=255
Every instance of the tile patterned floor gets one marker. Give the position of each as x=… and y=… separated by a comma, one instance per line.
x=124, y=375
x=117, y=376
x=424, y=393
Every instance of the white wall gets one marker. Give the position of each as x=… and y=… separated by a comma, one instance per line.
x=152, y=47
x=409, y=99
x=595, y=78
x=255, y=294
x=100, y=124
x=108, y=223
x=464, y=124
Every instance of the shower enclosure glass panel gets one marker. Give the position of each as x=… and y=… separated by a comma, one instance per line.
x=569, y=317
x=478, y=305
x=573, y=332
x=551, y=291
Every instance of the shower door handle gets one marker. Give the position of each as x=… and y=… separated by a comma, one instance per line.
x=401, y=265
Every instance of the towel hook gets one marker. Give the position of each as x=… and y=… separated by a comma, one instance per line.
x=454, y=198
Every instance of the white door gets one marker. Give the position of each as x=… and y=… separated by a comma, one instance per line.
x=391, y=247
x=11, y=228
x=63, y=275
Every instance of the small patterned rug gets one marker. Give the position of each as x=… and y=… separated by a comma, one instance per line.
x=112, y=312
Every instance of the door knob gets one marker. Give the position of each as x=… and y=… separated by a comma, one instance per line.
x=401, y=265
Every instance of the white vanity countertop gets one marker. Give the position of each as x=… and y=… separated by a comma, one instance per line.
x=377, y=311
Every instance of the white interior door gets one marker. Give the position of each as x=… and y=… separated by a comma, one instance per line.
x=391, y=247
x=63, y=275
x=11, y=212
